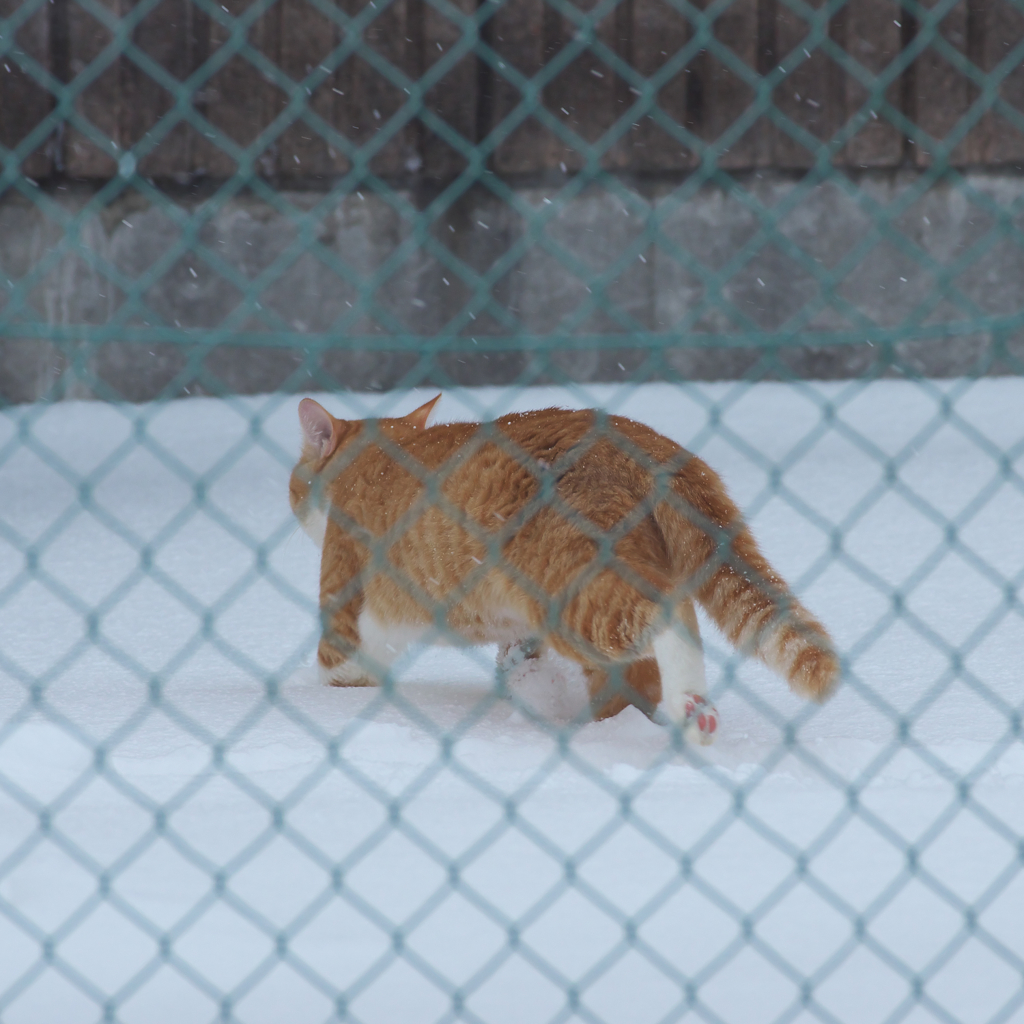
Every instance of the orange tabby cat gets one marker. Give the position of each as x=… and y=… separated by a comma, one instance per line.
x=589, y=533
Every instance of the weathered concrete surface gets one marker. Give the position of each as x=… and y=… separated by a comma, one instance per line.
x=654, y=258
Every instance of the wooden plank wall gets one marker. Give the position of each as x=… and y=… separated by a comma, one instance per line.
x=702, y=102
x=23, y=102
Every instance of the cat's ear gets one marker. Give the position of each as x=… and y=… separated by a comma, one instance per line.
x=418, y=417
x=319, y=429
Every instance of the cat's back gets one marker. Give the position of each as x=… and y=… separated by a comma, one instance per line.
x=552, y=437
x=558, y=431
x=547, y=433
x=491, y=470
x=488, y=469
x=542, y=434
x=436, y=445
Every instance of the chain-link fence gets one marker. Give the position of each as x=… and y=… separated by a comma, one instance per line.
x=787, y=236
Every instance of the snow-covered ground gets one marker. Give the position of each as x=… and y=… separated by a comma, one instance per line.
x=192, y=829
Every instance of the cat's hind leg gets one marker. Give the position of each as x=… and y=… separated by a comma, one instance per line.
x=680, y=659
x=342, y=601
x=607, y=628
x=338, y=659
x=515, y=653
x=616, y=687
x=369, y=649
x=337, y=669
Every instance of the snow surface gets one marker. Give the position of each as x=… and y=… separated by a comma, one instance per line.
x=192, y=829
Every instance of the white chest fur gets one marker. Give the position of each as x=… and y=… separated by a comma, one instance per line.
x=315, y=525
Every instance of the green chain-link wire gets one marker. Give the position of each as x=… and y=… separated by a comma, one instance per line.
x=252, y=323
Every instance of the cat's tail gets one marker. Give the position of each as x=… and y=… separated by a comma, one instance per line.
x=747, y=599
x=759, y=614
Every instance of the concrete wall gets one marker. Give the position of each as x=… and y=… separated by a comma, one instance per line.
x=958, y=228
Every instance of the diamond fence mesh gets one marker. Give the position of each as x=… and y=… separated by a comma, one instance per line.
x=787, y=236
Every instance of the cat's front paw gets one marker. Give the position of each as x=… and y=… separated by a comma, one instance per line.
x=346, y=673
x=701, y=722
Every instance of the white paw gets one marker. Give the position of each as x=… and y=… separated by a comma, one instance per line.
x=348, y=673
x=511, y=656
x=550, y=688
x=701, y=722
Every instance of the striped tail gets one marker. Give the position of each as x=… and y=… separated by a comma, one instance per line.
x=754, y=608
x=747, y=599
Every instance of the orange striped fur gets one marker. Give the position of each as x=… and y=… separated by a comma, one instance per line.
x=592, y=534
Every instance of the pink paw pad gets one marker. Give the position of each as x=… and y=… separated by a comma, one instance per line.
x=703, y=715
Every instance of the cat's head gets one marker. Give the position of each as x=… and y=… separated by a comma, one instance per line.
x=323, y=436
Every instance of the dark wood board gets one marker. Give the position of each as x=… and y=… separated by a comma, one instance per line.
x=455, y=98
x=657, y=33
x=716, y=95
x=812, y=95
x=25, y=101
x=940, y=94
x=308, y=37
x=1001, y=27
x=370, y=99
x=524, y=34
x=871, y=34
x=238, y=99
x=176, y=36
x=100, y=102
x=583, y=95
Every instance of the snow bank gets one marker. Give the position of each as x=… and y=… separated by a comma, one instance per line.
x=190, y=826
